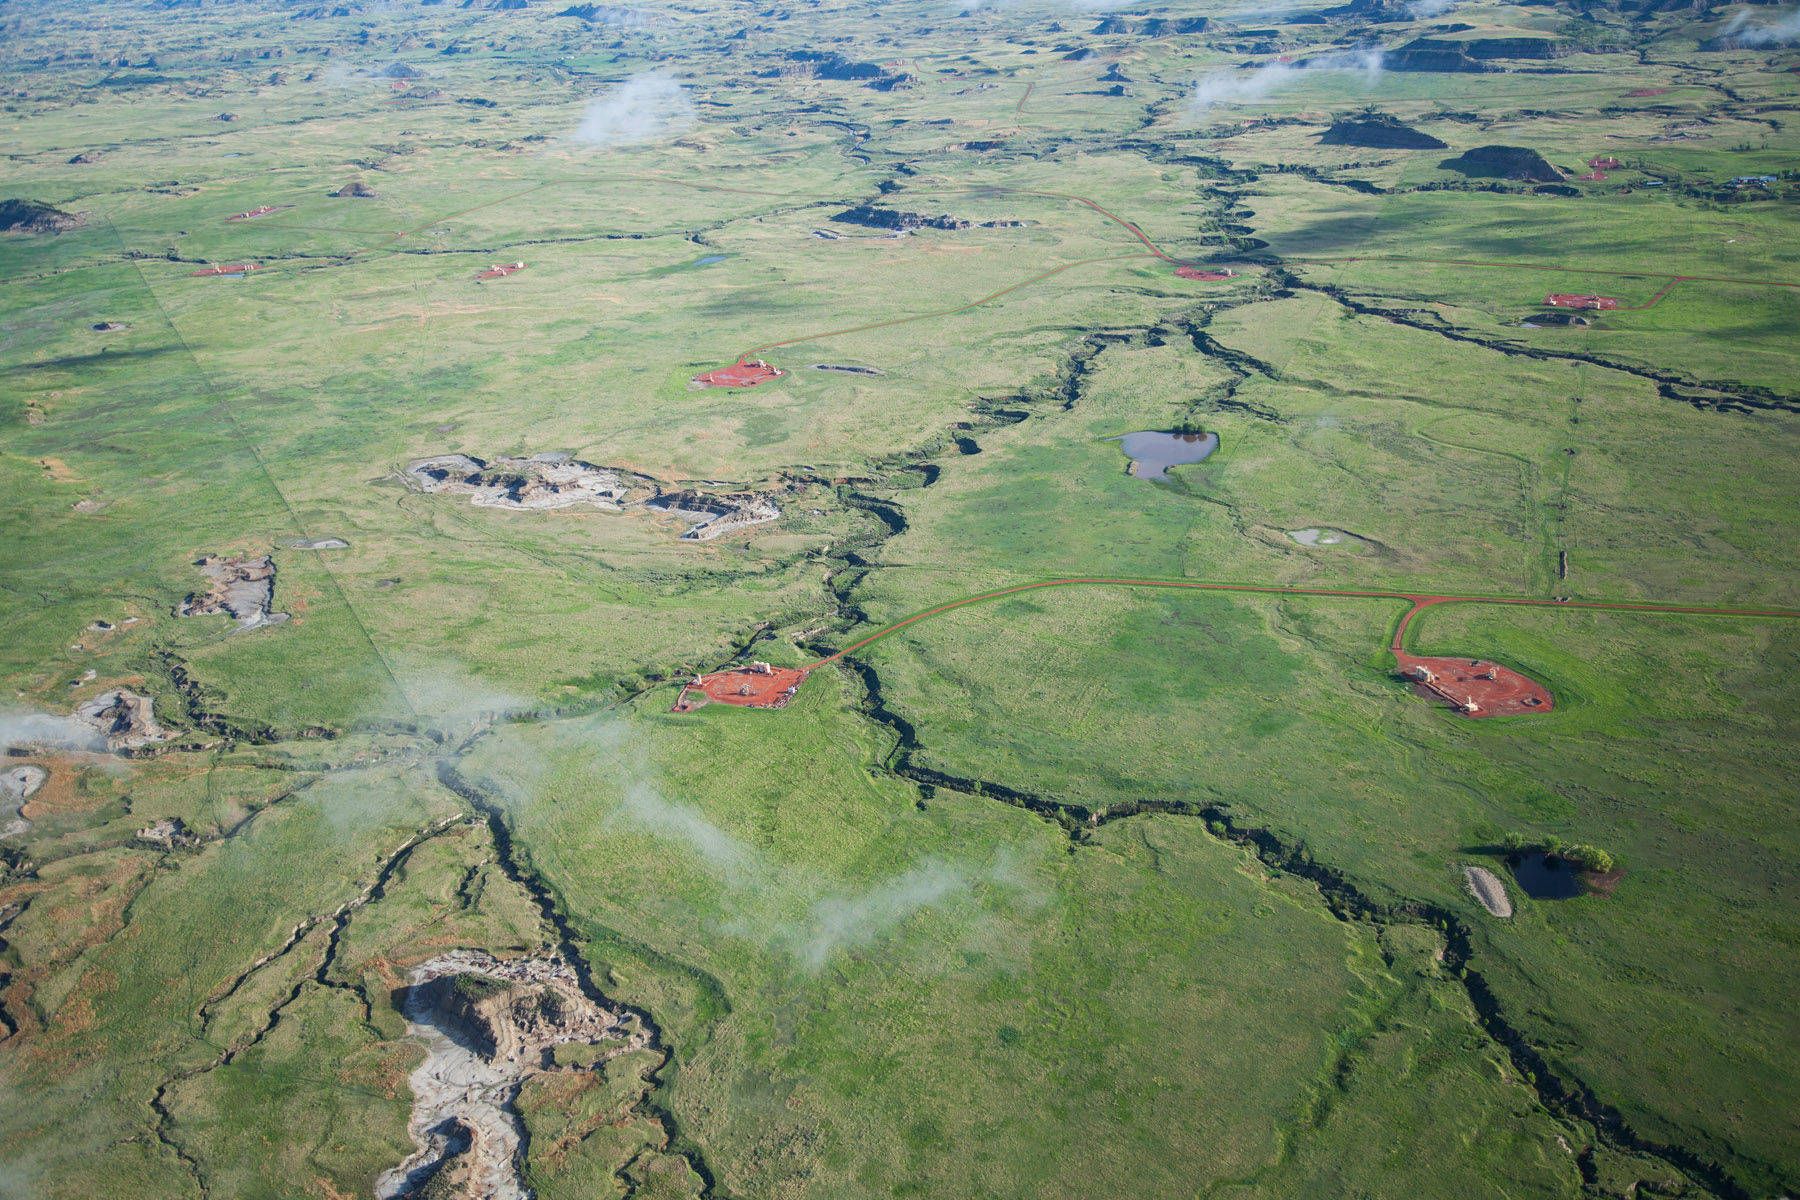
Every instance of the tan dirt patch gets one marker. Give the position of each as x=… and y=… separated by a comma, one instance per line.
x=59, y=794
x=58, y=470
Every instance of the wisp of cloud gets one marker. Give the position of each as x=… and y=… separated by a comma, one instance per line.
x=33, y=729
x=839, y=922
x=647, y=808
x=644, y=108
x=1235, y=87
x=1783, y=30
x=1420, y=10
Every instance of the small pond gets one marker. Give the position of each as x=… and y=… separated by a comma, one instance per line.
x=1544, y=877
x=1317, y=537
x=1152, y=453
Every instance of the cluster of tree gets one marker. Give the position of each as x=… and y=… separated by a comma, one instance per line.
x=1580, y=855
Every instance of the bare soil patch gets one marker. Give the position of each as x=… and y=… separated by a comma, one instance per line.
x=746, y=372
x=758, y=685
x=711, y=514
x=542, y=481
x=1574, y=300
x=125, y=721
x=58, y=470
x=1475, y=687
x=17, y=785
x=242, y=588
x=488, y=1025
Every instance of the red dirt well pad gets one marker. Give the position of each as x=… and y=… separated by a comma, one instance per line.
x=746, y=372
x=746, y=687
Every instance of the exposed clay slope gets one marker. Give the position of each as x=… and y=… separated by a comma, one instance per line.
x=125, y=720
x=488, y=1025
x=242, y=588
x=542, y=481
x=709, y=514
x=17, y=785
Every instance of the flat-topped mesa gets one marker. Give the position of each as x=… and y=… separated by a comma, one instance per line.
x=1503, y=162
x=242, y=588
x=873, y=216
x=541, y=481
x=1154, y=27
x=711, y=514
x=1378, y=131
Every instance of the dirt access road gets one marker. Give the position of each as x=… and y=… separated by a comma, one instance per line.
x=1670, y=279
x=721, y=685
x=1419, y=602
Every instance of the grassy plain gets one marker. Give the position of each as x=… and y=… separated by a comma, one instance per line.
x=865, y=984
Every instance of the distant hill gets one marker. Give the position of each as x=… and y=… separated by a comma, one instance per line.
x=1378, y=130
x=32, y=216
x=1503, y=162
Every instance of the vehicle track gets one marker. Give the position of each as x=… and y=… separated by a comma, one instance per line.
x=1671, y=279
x=1418, y=600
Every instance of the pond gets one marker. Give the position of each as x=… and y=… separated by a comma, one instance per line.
x=1544, y=877
x=1152, y=452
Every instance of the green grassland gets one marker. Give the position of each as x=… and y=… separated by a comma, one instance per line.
x=1082, y=892
x=1115, y=1005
